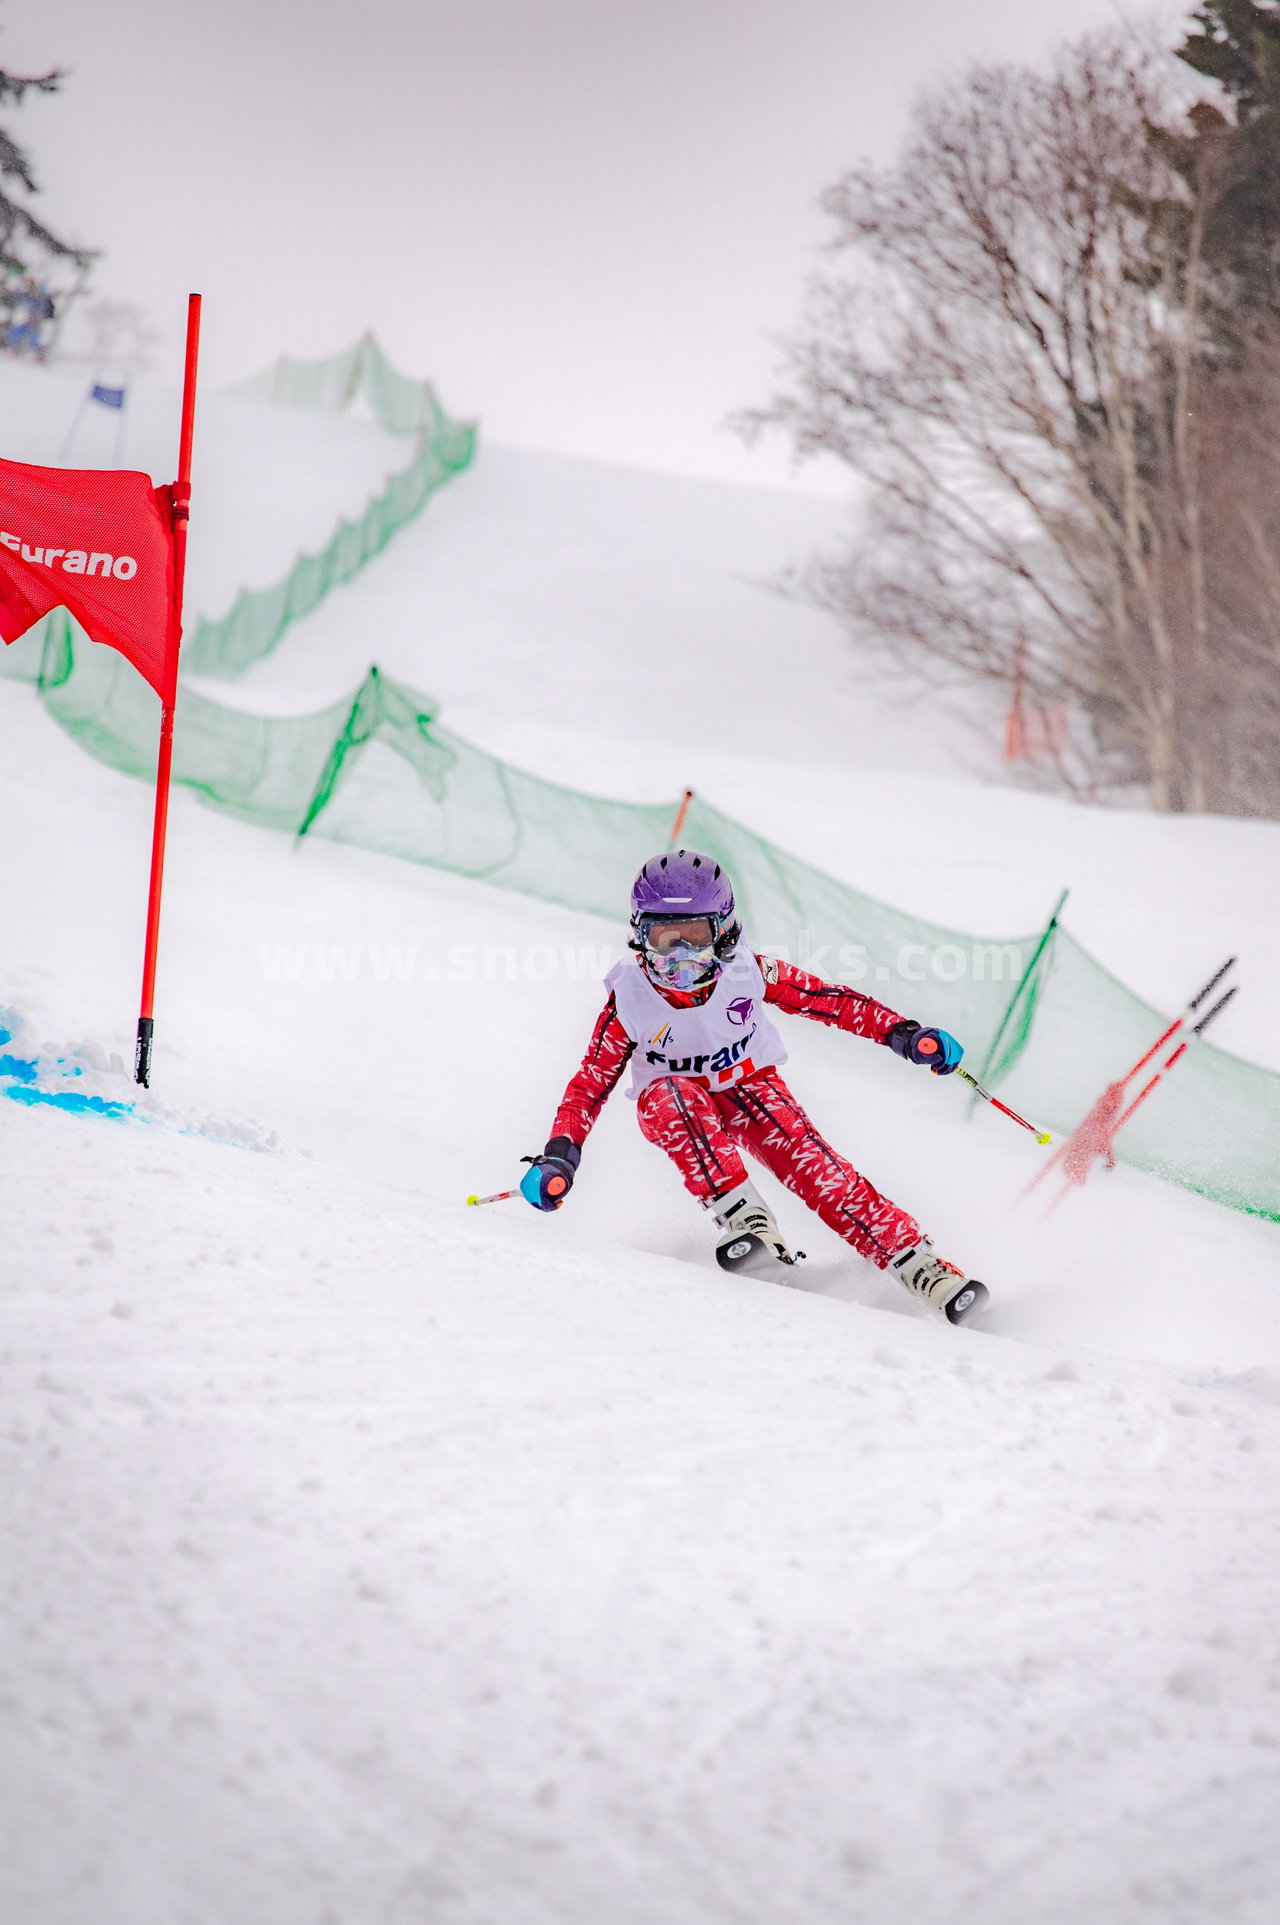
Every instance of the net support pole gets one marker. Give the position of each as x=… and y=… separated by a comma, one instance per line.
x=1024, y=982
x=64, y=452
x=164, y=764
x=120, y=426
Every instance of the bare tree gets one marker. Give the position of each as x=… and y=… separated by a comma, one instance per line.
x=1025, y=368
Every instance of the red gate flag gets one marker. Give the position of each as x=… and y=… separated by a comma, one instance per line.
x=99, y=543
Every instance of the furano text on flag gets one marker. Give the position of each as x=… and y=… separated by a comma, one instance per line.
x=98, y=543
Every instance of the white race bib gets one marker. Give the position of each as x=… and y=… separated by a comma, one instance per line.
x=717, y=1043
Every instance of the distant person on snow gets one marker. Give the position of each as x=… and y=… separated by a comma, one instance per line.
x=690, y=1013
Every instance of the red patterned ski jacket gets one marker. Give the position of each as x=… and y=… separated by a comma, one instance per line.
x=785, y=987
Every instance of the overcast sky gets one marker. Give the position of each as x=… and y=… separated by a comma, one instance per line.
x=583, y=218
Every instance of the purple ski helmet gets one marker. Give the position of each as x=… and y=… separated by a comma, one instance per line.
x=671, y=896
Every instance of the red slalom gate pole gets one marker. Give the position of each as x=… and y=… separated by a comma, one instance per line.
x=1179, y=1022
x=1181, y=1050
x=164, y=766
x=1096, y=1134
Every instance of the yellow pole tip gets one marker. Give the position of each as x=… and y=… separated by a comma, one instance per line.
x=1044, y=1137
x=473, y=1199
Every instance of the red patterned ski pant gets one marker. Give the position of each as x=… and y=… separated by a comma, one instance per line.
x=704, y=1133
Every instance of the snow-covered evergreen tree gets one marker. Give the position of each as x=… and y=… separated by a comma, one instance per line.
x=39, y=271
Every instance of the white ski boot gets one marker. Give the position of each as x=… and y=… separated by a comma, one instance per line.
x=751, y=1244
x=941, y=1284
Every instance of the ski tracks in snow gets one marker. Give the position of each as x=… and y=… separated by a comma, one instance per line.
x=392, y=1565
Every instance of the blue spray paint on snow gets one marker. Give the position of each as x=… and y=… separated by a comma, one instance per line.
x=41, y=1080
x=19, y=1081
x=73, y=1100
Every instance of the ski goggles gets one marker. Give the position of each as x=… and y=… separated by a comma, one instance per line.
x=662, y=934
x=679, y=952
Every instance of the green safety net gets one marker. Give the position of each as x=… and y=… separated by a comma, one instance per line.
x=260, y=616
x=380, y=772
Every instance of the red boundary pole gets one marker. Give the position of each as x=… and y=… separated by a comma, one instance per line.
x=164, y=767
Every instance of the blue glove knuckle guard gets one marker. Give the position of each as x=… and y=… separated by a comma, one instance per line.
x=549, y=1178
x=936, y=1049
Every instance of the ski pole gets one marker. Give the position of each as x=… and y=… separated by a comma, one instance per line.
x=1041, y=1136
x=500, y=1197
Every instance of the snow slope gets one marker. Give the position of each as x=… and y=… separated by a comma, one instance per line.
x=609, y=628
x=371, y=1564
x=375, y=1560
x=270, y=481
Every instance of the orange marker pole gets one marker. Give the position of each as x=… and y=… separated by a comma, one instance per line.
x=681, y=813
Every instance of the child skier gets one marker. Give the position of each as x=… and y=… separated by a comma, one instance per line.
x=690, y=1013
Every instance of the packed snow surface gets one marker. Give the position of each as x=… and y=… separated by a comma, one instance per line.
x=370, y=1560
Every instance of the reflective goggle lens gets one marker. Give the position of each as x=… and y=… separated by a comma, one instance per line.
x=662, y=934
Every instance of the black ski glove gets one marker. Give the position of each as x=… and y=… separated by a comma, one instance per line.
x=937, y=1049
x=549, y=1178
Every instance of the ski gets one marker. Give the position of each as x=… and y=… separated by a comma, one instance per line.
x=966, y=1301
